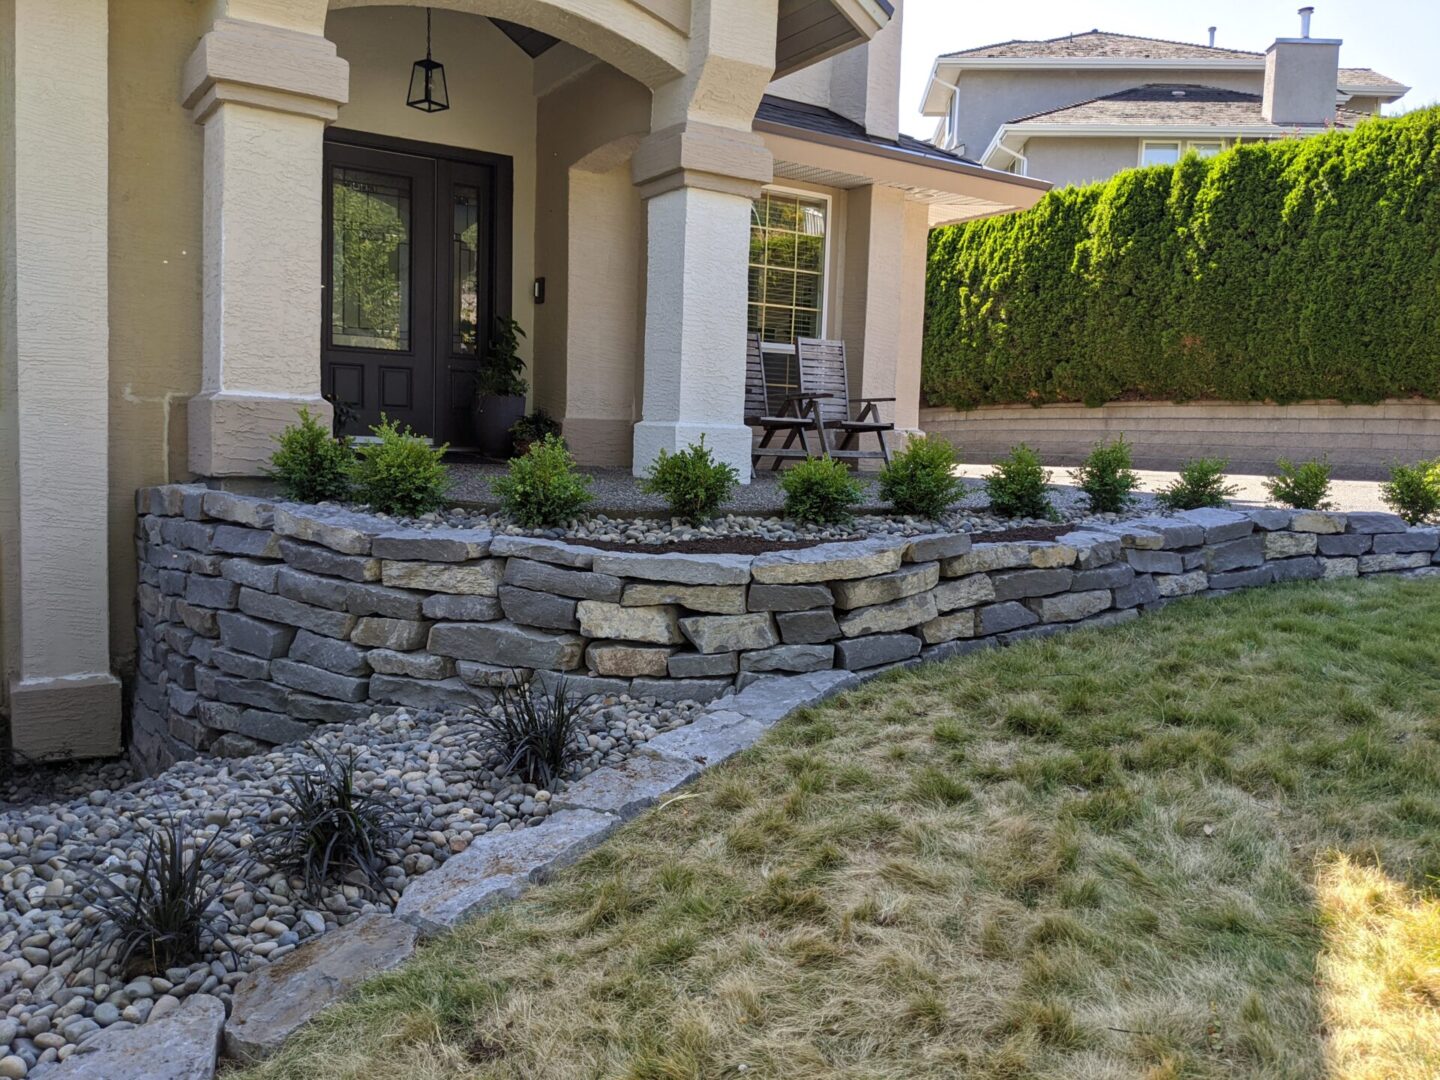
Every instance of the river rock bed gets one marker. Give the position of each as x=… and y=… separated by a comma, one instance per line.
x=445, y=788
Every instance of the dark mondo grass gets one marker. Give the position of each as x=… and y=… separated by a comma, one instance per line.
x=538, y=735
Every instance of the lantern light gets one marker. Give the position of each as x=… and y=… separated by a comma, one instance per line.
x=428, y=91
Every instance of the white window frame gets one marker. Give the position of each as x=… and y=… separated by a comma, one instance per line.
x=1145, y=144
x=1195, y=144
x=1184, y=146
x=827, y=266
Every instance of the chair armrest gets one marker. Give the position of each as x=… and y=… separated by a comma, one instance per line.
x=810, y=397
x=863, y=400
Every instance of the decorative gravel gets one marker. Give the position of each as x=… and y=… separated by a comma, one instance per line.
x=444, y=786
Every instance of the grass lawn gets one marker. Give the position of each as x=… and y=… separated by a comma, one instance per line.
x=1200, y=845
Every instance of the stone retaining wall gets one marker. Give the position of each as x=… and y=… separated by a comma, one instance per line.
x=258, y=620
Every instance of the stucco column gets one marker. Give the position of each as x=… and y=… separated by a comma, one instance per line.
x=54, y=347
x=264, y=95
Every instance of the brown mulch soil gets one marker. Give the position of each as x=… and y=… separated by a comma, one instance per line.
x=718, y=545
x=1029, y=532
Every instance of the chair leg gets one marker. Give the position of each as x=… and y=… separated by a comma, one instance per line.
x=884, y=449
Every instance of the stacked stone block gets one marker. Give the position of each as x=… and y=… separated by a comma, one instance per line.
x=259, y=620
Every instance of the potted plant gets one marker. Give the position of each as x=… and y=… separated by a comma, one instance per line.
x=532, y=429
x=499, y=389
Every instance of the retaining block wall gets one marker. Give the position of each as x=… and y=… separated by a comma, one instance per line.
x=258, y=620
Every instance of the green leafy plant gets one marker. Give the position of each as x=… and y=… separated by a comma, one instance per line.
x=1016, y=485
x=820, y=490
x=401, y=473
x=328, y=829
x=1106, y=477
x=920, y=479
x=539, y=738
x=542, y=487
x=692, y=482
x=1201, y=483
x=310, y=464
x=531, y=429
x=500, y=370
x=1304, y=487
x=164, y=916
x=1413, y=491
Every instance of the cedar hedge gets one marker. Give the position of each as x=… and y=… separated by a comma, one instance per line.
x=1296, y=270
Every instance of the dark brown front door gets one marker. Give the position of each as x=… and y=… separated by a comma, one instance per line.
x=416, y=271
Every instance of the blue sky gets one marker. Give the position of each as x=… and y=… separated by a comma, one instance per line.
x=1398, y=37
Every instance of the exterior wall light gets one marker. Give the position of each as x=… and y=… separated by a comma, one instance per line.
x=428, y=92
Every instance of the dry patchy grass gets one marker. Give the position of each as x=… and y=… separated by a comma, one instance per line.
x=1196, y=846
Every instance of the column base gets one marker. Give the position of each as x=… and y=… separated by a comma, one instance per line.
x=729, y=443
x=67, y=716
x=600, y=442
x=233, y=434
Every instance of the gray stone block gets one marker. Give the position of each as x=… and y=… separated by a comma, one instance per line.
x=1092, y=549
x=747, y=679
x=578, y=584
x=957, y=624
x=625, y=789
x=211, y=592
x=964, y=592
x=933, y=546
x=710, y=599
x=886, y=618
x=1351, y=544
x=1410, y=560
x=277, y=999
x=1317, y=521
x=325, y=710
x=713, y=738
x=280, y=609
x=702, y=665
x=182, y=1045
x=1339, y=568
x=1236, y=554
x=445, y=607
x=948, y=650
x=415, y=665
x=1141, y=591
x=730, y=633
x=1115, y=576
x=191, y=535
x=1305, y=568
x=856, y=654
x=830, y=562
x=253, y=692
x=399, y=634
x=789, y=658
x=336, y=529
x=318, y=681
x=321, y=560
x=235, y=540
x=1384, y=544
x=625, y=659
x=1018, y=584
x=1174, y=532
x=201, y=620
x=1182, y=584
x=1286, y=544
x=480, y=578
x=1372, y=522
x=508, y=645
x=1243, y=579
x=998, y=618
x=530, y=608
x=656, y=625
x=259, y=724
x=240, y=509
x=340, y=657
x=680, y=568
x=540, y=549
x=241, y=665
x=431, y=695
x=582, y=687
x=790, y=597
x=1068, y=607
x=701, y=690
x=1269, y=518
x=369, y=599
x=432, y=545
x=490, y=675
x=781, y=696
x=497, y=867
x=259, y=576
x=910, y=579
x=1219, y=525
x=1154, y=561
x=244, y=634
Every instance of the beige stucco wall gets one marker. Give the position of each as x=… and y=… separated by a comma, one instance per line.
x=1361, y=441
x=1078, y=161
x=9, y=465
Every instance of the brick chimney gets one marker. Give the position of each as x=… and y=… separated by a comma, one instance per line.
x=1301, y=76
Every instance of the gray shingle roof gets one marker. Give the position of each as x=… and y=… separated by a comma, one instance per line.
x=1368, y=77
x=798, y=114
x=1171, y=104
x=1102, y=43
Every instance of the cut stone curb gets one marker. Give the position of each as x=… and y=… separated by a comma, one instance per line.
x=497, y=867
x=181, y=1046
x=624, y=790
x=276, y=1000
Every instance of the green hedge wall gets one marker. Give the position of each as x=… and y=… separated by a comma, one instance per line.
x=1287, y=271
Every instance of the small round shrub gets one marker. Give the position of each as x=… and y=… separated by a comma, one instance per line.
x=542, y=487
x=1302, y=487
x=1413, y=491
x=920, y=480
x=402, y=473
x=819, y=490
x=1201, y=483
x=310, y=464
x=692, y=482
x=1016, y=485
x=1107, y=478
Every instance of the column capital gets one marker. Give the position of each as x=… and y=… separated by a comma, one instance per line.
x=267, y=67
x=704, y=156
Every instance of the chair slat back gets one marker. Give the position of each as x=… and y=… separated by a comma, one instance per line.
x=755, y=404
x=822, y=371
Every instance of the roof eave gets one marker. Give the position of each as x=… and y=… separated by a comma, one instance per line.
x=1030, y=130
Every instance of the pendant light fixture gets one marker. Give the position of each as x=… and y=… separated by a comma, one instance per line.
x=428, y=92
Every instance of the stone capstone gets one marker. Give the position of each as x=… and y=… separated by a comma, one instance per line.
x=679, y=568
x=829, y=562
x=1219, y=525
x=935, y=546
x=338, y=530
x=432, y=545
x=1373, y=522
x=181, y=1045
x=541, y=549
x=1317, y=521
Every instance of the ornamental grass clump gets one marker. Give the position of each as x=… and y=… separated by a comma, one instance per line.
x=1016, y=485
x=1305, y=486
x=542, y=487
x=819, y=491
x=1107, y=478
x=402, y=473
x=310, y=464
x=163, y=916
x=1201, y=484
x=691, y=481
x=328, y=829
x=537, y=738
x=920, y=480
x=1413, y=491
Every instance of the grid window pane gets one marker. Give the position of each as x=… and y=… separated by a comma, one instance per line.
x=787, y=266
x=370, y=273
x=1160, y=153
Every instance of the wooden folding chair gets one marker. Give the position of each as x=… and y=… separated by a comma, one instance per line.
x=824, y=378
x=797, y=416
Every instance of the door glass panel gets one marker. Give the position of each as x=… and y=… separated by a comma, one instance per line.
x=465, y=272
x=370, y=275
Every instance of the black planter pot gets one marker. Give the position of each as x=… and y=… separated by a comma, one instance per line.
x=493, y=415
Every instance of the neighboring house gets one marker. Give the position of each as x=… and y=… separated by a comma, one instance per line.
x=214, y=214
x=1083, y=107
